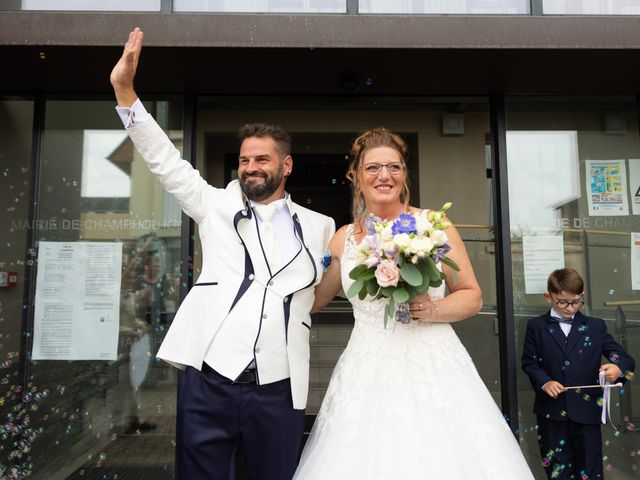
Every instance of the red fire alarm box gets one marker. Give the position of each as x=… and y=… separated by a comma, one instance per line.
x=8, y=279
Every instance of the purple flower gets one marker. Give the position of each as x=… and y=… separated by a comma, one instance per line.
x=369, y=224
x=391, y=253
x=406, y=223
x=441, y=252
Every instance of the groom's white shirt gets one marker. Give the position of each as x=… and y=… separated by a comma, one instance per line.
x=238, y=311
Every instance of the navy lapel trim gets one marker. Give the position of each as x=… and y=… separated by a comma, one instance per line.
x=556, y=332
x=293, y=218
x=289, y=298
x=264, y=255
x=578, y=330
x=244, y=214
x=298, y=228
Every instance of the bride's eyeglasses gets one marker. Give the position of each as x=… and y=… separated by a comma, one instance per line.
x=394, y=168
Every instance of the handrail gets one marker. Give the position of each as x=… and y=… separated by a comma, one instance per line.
x=473, y=225
x=616, y=303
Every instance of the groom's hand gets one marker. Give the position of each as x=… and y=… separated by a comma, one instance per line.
x=124, y=72
x=553, y=388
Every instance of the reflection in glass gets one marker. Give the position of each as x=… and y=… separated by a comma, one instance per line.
x=259, y=6
x=550, y=144
x=590, y=7
x=505, y=7
x=16, y=118
x=103, y=175
x=93, y=5
x=102, y=417
x=553, y=158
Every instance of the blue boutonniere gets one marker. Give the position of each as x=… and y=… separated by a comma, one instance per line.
x=325, y=261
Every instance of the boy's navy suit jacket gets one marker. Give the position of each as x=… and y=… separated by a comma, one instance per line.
x=571, y=360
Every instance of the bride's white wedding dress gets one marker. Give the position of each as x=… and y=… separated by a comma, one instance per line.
x=406, y=402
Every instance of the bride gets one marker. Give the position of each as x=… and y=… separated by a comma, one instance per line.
x=404, y=402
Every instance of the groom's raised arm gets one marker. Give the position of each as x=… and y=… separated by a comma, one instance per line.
x=124, y=71
x=176, y=175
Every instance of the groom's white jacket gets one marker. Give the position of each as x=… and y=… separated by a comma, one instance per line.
x=235, y=284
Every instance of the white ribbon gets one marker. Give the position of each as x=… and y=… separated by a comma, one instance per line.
x=606, y=385
x=606, y=397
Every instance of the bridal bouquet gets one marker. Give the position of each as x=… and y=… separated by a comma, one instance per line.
x=398, y=259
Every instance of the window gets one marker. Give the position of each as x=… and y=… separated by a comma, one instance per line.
x=93, y=5
x=258, y=6
x=505, y=7
x=591, y=7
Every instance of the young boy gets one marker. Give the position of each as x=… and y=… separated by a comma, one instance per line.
x=564, y=348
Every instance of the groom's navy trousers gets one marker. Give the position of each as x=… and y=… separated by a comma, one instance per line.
x=217, y=417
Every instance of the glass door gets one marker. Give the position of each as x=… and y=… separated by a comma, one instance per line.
x=449, y=160
x=92, y=400
x=573, y=202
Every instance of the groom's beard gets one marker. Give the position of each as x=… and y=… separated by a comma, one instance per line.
x=260, y=191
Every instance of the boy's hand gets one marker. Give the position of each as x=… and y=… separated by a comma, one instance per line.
x=611, y=372
x=553, y=388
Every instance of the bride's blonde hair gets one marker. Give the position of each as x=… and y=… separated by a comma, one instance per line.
x=378, y=137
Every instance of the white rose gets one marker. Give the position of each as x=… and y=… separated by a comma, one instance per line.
x=420, y=245
x=438, y=237
x=422, y=224
x=386, y=235
x=402, y=240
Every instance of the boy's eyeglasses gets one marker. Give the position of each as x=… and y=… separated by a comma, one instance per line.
x=565, y=304
x=394, y=168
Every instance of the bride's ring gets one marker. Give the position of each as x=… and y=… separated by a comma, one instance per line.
x=420, y=306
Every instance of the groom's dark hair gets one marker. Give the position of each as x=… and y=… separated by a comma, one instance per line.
x=276, y=132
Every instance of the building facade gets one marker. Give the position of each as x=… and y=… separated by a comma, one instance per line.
x=523, y=113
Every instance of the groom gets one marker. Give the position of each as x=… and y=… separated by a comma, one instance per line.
x=242, y=333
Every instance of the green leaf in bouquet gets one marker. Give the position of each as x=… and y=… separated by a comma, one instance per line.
x=372, y=288
x=357, y=271
x=432, y=270
x=387, y=291
x=362, y=294
x=411, y=290
x=367, y=275
x=451, y=264
x=423, y=288
x=435, y=283
x=389, y=311
x=400, y=295
x=410, y=273
x=354, y=288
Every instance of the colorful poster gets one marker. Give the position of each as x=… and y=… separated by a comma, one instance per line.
x=607, y=187
x=77, y=304
x=542, y=254
x=634, y=185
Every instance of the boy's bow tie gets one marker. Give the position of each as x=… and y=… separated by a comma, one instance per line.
x=562, y=320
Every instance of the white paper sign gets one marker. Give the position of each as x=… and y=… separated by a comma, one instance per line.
x=77, y=312
x=634, y=185
x=635, y=261
x=607, y=187
x=542, y=254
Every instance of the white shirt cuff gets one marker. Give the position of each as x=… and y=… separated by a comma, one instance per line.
x=134, y=115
